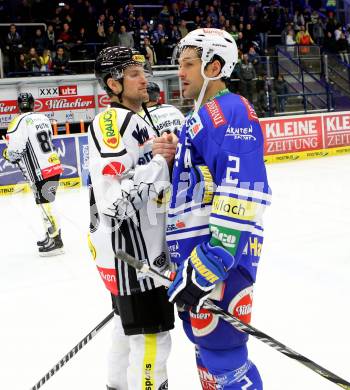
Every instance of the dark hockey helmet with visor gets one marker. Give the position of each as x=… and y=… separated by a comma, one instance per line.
x=25, y=102
x=153, y=91
x=111, y=62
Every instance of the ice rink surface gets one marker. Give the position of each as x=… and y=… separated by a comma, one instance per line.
x=302, y=296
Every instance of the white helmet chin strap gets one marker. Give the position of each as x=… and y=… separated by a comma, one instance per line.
x=204, y=86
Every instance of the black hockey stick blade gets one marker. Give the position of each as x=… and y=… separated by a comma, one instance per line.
x=72, y=352
x=238, y=324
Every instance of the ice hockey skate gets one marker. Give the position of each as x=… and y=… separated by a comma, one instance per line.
x=53, y=247
x=44, y=241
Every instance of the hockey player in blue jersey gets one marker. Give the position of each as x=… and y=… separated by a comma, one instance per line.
x=214, y=229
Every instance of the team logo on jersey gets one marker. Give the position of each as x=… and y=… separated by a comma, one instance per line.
x=203, y=322
x=241, y=133
x=109, y=129
x=194, y=125
x=114, y=168
x=250, y=110
x=215, y=113
x=53, y=159
x=241, y=305
x=160, y=260
x=109, y=277
x=140, y=134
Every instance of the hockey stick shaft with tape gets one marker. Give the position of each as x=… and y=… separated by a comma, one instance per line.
x=166, y=280
x=72, y=352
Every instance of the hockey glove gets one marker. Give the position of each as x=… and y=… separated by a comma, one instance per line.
x=197, y=276
x=12, y=157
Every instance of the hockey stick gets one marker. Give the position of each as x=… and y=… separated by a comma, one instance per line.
x=166, y=280
x=72, y=352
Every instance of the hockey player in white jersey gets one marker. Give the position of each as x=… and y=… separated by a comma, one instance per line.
x=29, y=139
x=126, y=183
x=164, y=117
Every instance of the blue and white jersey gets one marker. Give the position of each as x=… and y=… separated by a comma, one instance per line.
x=220, y=187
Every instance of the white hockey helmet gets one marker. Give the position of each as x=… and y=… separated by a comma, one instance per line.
x=213, y=41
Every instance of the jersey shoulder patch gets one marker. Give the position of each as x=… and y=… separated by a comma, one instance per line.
x=108, y=124
x=12, y=127
x=194, y=125
x=250, y=110
x=215, y=113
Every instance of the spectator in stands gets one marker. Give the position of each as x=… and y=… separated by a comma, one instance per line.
x=131, y=23
x=120, y=18
x=318, y=32
x=50, y=37
x=142, y=34
x=266, y=101
x=331, y=22
x=298, y=20
x=149, y=52
x=315, y=16
x=162, y=51
x=222, y=22
x=65, y=37
x=57, y=25
x=174, y=36
x=111, y=21
x=337, y=32
x=111, y=36
x=100, y=34
x=158, y=33
x=263, y=28
x=290, y=38
x=46, y=61
x=130, y=10
x=183, y=28
x=13, y=46
x=233, y=15
x=242, y=42
x=101, y=21
x=303, y=38
x=342, y=48
x=140, y=21
x=281, y=88
x=249, y=34
x=213, y=15
x=196, y=9
x=125, y=38
x=185, y=11
x=60, y=62
x=329, y=44
x=234, y=32
x=33, y=61
x=164, y=14
x=247, y=75
x=81, y=38
x=21, y=64
x=175, y=12
x=39, y=41
x=254, y=58
x=80, y=49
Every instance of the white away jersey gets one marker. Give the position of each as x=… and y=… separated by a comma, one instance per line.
x=165, y=117
x=29, y=138
x=126, y=212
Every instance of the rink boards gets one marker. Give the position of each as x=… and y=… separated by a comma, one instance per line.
x=288, y=138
